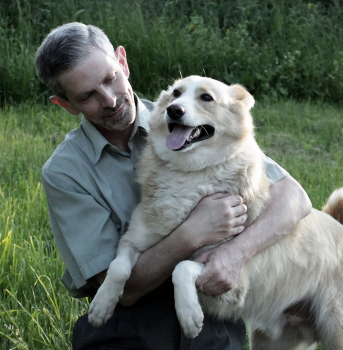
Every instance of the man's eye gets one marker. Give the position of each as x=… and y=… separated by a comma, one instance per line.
x=206, y=97
x=86, y=98
x=111, y=78
x=176, y=93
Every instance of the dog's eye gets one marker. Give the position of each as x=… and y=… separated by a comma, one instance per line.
x=206, y=97
x=176, y=93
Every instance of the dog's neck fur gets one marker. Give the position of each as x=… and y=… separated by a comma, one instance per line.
x=241, y=173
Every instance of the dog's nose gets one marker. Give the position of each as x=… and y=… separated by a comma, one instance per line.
x=175, y=111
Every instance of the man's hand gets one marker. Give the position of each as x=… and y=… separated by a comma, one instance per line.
x=216, y=218
x=223, y=266
x=287, y=205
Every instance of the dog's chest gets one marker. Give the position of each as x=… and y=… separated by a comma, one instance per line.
x=170, y=196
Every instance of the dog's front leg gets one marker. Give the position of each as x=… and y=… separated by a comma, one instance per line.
x=102, y=307
x=187, y=304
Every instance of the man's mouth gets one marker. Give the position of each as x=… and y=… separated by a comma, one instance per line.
x=114, y=112
x=182, y=136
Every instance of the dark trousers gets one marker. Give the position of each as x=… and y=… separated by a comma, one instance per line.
x=152, y=324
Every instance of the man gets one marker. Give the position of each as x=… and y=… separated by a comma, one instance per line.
x=89, y=182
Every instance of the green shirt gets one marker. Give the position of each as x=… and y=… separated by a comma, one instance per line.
x=91, y=193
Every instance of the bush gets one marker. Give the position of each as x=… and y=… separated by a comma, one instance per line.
x=285, y=48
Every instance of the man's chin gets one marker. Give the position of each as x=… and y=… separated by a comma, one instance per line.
x=118, y=125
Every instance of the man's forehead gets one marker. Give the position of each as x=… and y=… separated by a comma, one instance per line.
x=89, y=73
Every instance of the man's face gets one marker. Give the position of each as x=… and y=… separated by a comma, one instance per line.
x=99, y=89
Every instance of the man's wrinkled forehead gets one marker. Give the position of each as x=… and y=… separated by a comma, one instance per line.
x=92, y=71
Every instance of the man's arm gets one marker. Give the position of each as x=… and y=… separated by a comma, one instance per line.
x=288, y=204
x=220, y=214
x=215, y=218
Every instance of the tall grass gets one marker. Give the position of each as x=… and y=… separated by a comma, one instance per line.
x=306, y=139
x=35, y=310
x=276, y=48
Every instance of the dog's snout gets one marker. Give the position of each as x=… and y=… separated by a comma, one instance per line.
x=175, y=111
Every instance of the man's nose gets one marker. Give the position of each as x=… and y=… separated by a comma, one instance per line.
x=108, y=98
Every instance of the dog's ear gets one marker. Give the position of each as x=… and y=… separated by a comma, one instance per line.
x=241, y=96
x=163, y=99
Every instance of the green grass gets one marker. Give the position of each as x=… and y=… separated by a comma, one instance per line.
x=35, y=311
x=306, y=139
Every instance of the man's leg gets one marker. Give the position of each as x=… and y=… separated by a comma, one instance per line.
x=152, y=324
x=217, y=335
x=149, y=324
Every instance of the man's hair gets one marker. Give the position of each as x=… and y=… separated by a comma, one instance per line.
x=64, y=47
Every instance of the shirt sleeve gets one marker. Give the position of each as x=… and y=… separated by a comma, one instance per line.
x=274, y=171
x=84, y=232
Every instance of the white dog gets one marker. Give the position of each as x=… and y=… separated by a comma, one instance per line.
x=203, y=130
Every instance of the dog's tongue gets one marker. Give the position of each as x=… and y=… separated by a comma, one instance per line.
x=177, y=138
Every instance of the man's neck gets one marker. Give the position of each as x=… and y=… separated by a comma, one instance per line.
x=118, y=138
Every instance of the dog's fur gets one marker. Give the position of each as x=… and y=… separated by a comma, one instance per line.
x=290, y=294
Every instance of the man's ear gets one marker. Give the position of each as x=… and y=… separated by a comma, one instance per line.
x=64, y=104
x=121, y=57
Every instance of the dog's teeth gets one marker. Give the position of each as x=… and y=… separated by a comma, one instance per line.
x=197, y=133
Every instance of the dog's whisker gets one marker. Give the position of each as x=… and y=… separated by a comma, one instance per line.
x=204, y=129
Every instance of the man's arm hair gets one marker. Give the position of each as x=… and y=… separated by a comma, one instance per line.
x=288, y=204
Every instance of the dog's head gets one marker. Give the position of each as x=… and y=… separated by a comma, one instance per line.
x=200, y=122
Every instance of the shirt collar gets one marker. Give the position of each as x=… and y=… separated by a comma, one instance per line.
x=99, y=142
x=142, y=118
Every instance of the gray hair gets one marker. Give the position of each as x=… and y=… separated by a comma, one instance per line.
x=64, y=47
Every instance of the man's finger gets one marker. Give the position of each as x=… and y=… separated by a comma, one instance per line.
x=219, y=195
x=203, y=278
x=239, y=210
x=213, y=291
x=239, y=220
x=212, y=287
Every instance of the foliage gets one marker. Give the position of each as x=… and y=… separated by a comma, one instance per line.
x=284, y=48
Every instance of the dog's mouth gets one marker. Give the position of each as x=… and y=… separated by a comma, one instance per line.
x=182, y=136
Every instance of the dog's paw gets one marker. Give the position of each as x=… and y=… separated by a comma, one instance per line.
x=191, y=320
x=101, y=308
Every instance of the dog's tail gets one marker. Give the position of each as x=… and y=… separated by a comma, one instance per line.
x=334, y=205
